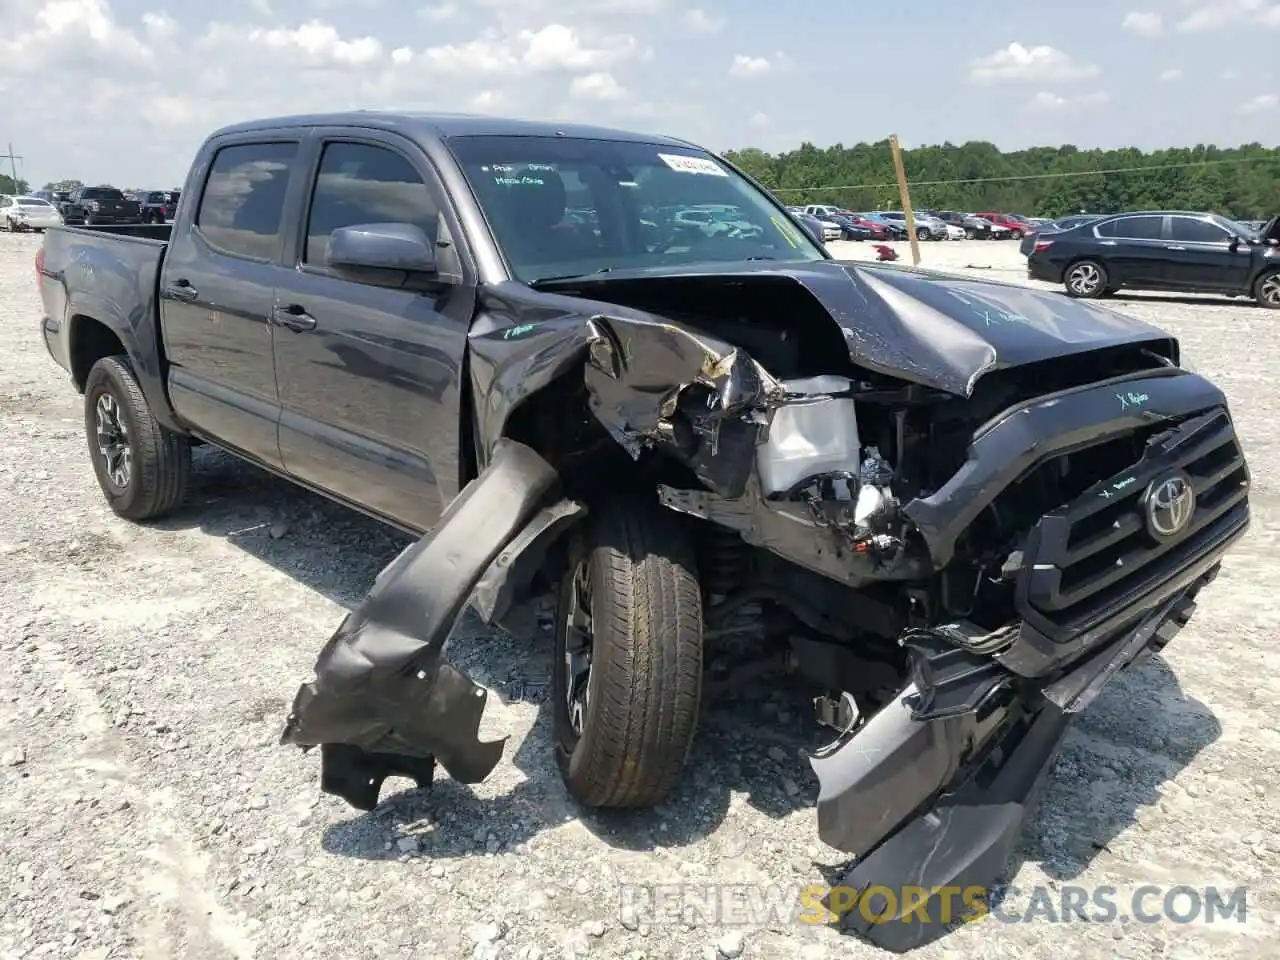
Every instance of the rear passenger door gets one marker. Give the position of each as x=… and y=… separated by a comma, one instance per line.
x=370, y=391
x=1133, y=250
x=217, y=289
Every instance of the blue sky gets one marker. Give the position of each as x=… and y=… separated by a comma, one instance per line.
x=146, y=80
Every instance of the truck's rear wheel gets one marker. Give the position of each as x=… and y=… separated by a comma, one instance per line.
x=627, y=679
x=141, y=466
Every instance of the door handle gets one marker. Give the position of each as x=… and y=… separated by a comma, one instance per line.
x=1175, y=248
x=181, y=289
x=294, y=317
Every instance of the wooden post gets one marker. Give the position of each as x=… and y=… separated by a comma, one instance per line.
x=906, y=199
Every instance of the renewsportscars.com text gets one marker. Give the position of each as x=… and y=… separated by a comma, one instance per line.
x=753, y=904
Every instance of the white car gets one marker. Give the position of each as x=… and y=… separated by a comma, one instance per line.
x=955, y=231
x=20, y=214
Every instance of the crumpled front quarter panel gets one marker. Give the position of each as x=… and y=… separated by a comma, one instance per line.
x=381, y=683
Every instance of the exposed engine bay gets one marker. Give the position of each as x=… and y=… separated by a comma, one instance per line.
x=965, y=505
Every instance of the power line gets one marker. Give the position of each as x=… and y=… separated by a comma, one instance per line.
x=1034, y=176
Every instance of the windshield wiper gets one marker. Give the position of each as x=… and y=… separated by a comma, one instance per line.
x=569, y=276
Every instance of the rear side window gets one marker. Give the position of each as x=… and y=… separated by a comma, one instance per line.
x=1191, y=230
x=243, y=202
x=1133, y=228
x=361, y=183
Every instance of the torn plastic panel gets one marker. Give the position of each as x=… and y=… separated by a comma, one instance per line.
x=649, y=382
x=384, y=701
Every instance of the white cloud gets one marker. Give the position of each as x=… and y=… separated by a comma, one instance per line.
x=1143, y=23
x=745, y=66
x=556, y=46
x=318, y=44
x=759, y=119
x=74, y=35
x=1052, y=102
x=1173, y=73
x=596, y=86
x=1206, y=16
x=1018, y=63
x=699, y=21
x=1260, y=104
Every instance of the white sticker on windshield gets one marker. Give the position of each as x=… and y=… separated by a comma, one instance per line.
x=693, y=164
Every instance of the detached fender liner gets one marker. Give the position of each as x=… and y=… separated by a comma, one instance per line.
x=384, y=701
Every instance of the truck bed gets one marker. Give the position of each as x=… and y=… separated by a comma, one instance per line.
x=103, y=281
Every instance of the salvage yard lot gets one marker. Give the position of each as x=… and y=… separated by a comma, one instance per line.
x=151, y=813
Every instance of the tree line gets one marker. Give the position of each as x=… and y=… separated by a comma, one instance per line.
x=1241, y=182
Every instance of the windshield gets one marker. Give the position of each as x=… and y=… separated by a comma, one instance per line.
x=32, y=202
x=565, y=207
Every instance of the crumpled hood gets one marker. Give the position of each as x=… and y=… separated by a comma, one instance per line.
x=935, y=329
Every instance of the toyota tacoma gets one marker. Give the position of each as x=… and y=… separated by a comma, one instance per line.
x=964, y=505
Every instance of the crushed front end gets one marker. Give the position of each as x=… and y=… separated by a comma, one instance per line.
x=965, y=507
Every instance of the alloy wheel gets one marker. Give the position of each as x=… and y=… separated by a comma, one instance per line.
x=1084, y=278
x=577, y=648
x=113, y=441
x=1269, y=292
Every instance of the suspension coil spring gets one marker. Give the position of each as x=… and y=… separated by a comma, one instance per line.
x=724, y=560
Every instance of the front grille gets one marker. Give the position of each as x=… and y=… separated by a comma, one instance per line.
x=1096, y=553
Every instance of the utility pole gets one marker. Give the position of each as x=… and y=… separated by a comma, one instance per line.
x=13, y=164
x=905, y=193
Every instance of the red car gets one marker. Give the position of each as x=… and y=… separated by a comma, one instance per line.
x=1016, y=225
x=878, y=230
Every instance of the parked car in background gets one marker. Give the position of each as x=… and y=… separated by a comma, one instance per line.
x=975, y=227
x=1016, y=226
x=926, y=228
x=94, y=205
x=850, y=229
x=820, y=209
x=895, y=229
x=157, y=206
x=879, y=231
x=1177, y=250
x=21, y=214
x=821, y=230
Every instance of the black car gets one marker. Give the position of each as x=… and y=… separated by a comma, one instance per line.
x=1028, y=242
x=158, y=206
x=849, y=230
x=1158, y=250
x=96, y=205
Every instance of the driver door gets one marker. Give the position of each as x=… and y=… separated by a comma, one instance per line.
x=369, y=375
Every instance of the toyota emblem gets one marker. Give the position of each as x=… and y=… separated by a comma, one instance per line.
x=1170, y=505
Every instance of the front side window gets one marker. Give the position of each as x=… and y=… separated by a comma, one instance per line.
x=1191, y=230
x=561, y=206
x=359, y=183
x=243, y=202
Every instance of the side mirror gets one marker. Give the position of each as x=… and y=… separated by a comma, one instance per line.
x=389, y=254
x=1234, y=244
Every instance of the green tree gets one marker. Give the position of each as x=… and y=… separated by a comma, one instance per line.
x=1240, y=181
x=10, y=186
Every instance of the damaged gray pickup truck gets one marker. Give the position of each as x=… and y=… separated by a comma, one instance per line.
x=964, y=505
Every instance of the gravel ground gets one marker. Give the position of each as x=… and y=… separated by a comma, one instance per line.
x=150, y=813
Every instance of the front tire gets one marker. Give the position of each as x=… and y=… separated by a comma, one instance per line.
x=1085, y=279
x=1266, y=291
x=141, y=466
x=627, y=680
x=922, y=234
